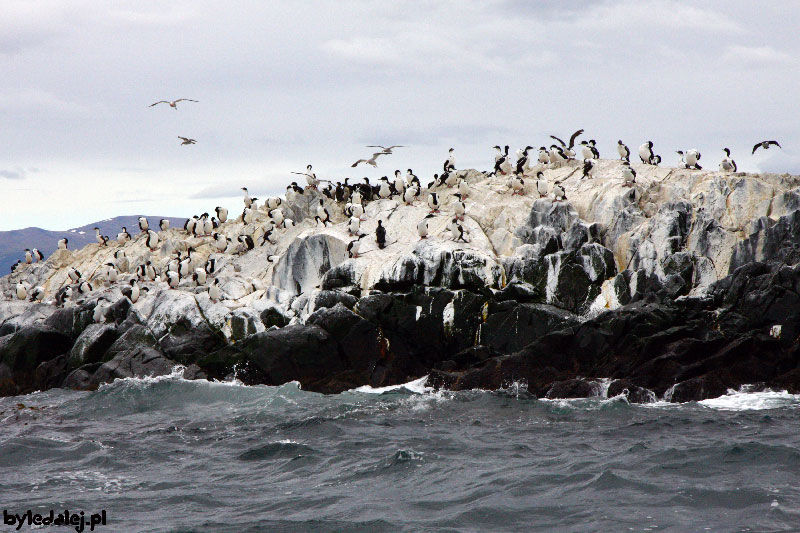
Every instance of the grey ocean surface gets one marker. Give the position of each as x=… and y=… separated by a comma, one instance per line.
x=169, y=455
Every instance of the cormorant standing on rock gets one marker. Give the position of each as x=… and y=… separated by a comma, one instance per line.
x=422, y=226
x=123, y=235
x=646, y=153
x=499, y=162
x=727, y=164
x=450, y=162
x=541, y=184
x=433, y=202
x=628, y=175
x=588, y=168
x=558, y=192
x=624, y=152
x=322, y=213
x=214, y=293
x=354, y=246
x=518, y=185
x=380, y=235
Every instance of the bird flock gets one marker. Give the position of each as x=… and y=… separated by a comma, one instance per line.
x=406, y=189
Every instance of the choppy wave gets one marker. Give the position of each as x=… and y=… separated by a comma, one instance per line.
x=416, y=386
x=744, y=400
x=169, y=454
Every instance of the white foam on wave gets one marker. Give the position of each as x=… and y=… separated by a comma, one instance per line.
x=417, y=386
x=752, y=401
x=176, y=374
x=586, y=404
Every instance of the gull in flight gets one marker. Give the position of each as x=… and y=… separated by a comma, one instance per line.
x=372, y=160
x=174, y=103
x=386, y=149
x=186, y=140
x=765, y=145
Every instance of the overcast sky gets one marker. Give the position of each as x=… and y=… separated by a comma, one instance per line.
x=282, y=85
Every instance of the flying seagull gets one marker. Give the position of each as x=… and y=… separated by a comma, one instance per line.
x=372, y=160
x=386, y=150
x=187, y=141
x=765, y=145
x=174, y=103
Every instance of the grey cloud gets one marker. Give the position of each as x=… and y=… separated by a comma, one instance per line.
x=780, y=162
x=234, y=190
x=13, y=174
x=452, y=133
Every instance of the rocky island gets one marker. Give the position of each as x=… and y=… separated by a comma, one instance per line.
x=680, y=287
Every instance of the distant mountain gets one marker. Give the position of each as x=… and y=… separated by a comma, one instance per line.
x=14, y=242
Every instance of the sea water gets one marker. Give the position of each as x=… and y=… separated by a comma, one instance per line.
x=166, y=454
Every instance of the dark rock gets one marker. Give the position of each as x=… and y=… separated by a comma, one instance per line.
x=462, y=318
x=511, y=329
x=91, y=345
x=51, y=374
x=133, y=354
x=118, y=311
x=327, y=298
x=675, y=286
x=581, y=233
x=244, y=322
x=571, y=290
x=228, y=363
x=471, y=356
x=372, y=307
x=135, y=337
x=185, y=342
x=272, y=317
x=520, y=291
x=32, y=314
x=22, y=352
x=81, y=378
x=633, y=393
x=140, y=361
x=680, y=264
x=341, y=276
x=307, y=354
x=440, y=380
x=194, y=372
x=699, y=388
x=573, y=388
x=72, y=320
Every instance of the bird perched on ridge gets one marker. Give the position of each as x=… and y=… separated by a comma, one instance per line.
x=628, y=175
x=380, y=235
x=624, y=152
x=727, y=164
